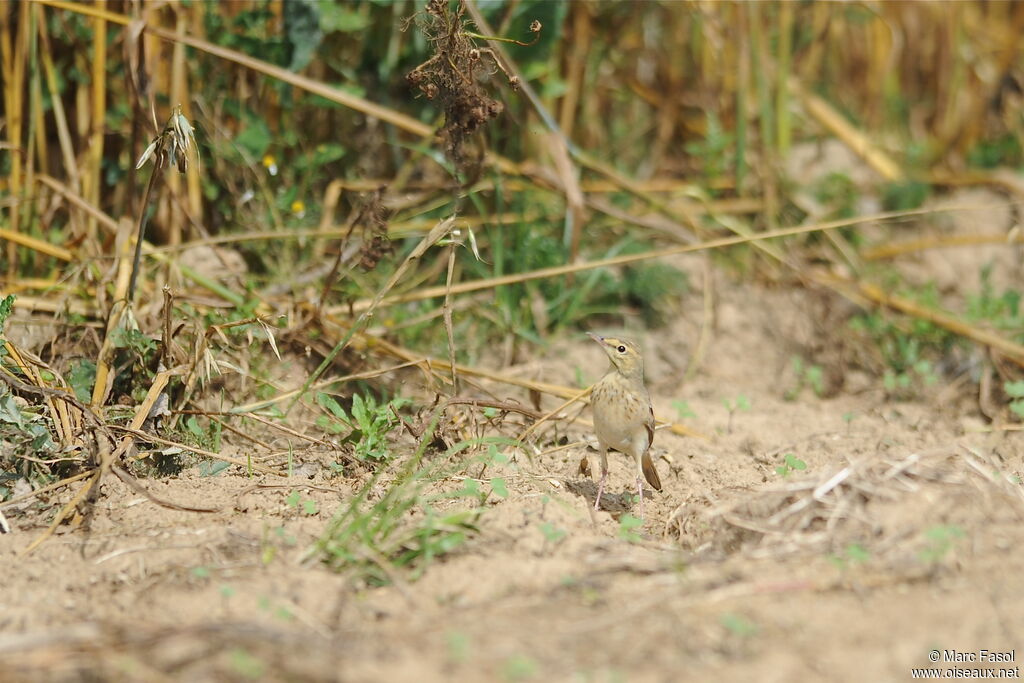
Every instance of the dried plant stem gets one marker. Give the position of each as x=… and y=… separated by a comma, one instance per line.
x=93, y=177
x=447, y=310
x=858, y=142
x=14, y=91
x=36, y=245
x=887, y=251
x=67, y=149
x=140, y=233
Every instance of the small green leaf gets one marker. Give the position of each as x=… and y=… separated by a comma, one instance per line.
x=499, y=487
x=496, y=456
x=470, y=489
x=10, y=413
x=292, y=500
x=627, y=526
x=245, y=664
x=458, y=646
x=738, y=625
x=309, y=507
x=519, y=668
x=889, y=381
x=1014, y=389
x=1017, y=407
x=81, y=378
x=359, y=412
x=6, y=306
x=193, y=426
x=683, y=410
x=816, y=378
x=255, y=138
x=794, y=462
x=857, y=553
x=211, y=468
x=328, y=403
x=552, y=533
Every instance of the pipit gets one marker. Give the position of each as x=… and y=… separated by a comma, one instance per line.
x=623, y=417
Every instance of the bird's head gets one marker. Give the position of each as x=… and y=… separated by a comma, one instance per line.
x=624, y=354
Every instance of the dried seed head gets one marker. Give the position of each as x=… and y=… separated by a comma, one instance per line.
x=474, y=55
x=514, y=82
x=534, y=26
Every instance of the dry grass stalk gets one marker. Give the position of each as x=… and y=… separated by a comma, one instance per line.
x=845, y=505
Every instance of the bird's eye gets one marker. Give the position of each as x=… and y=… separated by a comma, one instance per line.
x=621, y=349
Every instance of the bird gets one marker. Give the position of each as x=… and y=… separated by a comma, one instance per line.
x=623, y=416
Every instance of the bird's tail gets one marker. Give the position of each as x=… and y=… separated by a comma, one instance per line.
x=650, y=473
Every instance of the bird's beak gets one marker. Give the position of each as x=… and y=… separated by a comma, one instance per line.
x=596, y=337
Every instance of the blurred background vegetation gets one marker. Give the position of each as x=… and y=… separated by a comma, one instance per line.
x=647, y=125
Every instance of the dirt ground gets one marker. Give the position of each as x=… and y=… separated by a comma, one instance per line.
x=899, y=537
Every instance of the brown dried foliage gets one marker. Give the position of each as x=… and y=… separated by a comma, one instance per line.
x=452, y=75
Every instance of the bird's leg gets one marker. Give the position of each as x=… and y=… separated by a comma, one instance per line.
x=640, y=490
x=604, y=475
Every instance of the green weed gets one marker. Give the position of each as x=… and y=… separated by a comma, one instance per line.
x=1015, y=390
x=848, y=418
x=23, y=427
x=458, y=646
x=551, y=533
x=306, y=506
x=519, y=668
x=368, y=425
x=715, y=150
x=908, y=348
x=82, y=377
x=740, y=403
x=1005, y=150
x=402, y=529
x=628, y=526
x=790, y=464
x=274, y=540
x=905, y=195
x=683, y=409
x=738, y=625
x=837, y=192
x=853, y=554
x=6, y=306
x=939, y=541
x=1001, y=311
x=806, y=376
x=245, y=664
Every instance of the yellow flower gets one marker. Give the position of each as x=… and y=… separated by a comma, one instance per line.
x=270, y=163
x=299, y=208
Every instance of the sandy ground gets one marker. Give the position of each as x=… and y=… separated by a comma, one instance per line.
x=899, y=537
